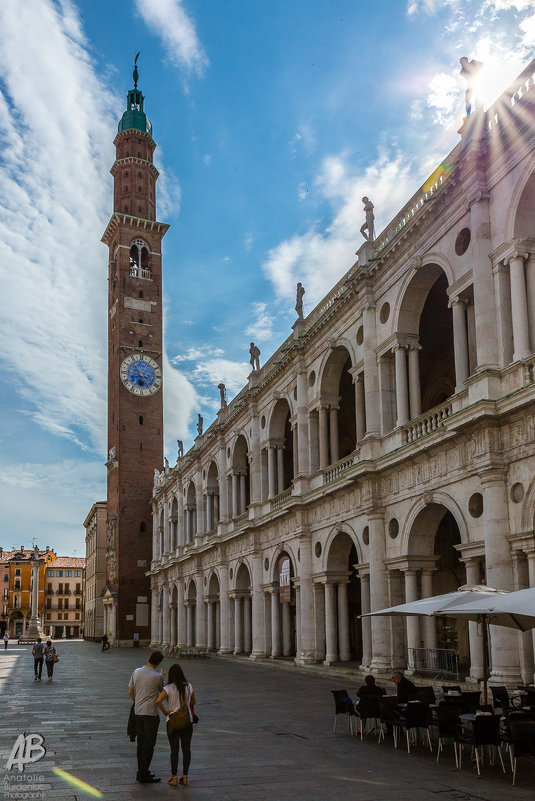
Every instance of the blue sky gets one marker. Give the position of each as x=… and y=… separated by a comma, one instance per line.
x=272, y=120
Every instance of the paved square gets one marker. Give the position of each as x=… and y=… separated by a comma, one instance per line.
x=265, y=734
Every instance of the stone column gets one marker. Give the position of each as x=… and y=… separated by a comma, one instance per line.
x=223, y=484
x=297, y=617
x=460, y=341
x=303, y=465
x=360, y=406
x=235, y=495
x=378, y=592
x=397, y=624
x=216, y=510
x=189, y=624
x=343, y=622
x=224, y=601
x=473, y=577
x=258, y=650
x=199, y=502
x=217, y=611
x=371, y=372
x=166, y=537
x=173, y=627
x=313, y=440
x=155, y=535
x=243, y=493
x=499, y=568
x=414, y=381
x=237, y=625
x=324, y=436
x=286, y=631
x=247, y=639
x=153, y=619
x=484, y=299
x=402, y=396
x=530, y=292
x=181, y=616
x=180, y=521
x=333, y=428
x=319, y=620
x=429, y=622
x=519, y=306
x=413, y=621
x=280, y=469
x=295, y=450
x=166, y=616
x=272, y=472
x=531, y=573
x=210, y=640
x=330, y=624
x=275, y=623
x=255, y=459
x=200, y=620
x=366, y=621
x=306, y=653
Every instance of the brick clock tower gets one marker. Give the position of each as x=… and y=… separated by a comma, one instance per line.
x=135, y=408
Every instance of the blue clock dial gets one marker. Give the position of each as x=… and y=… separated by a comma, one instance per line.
x=141, y=374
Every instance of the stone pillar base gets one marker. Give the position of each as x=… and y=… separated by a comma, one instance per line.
x=505, y=677
x=224, y=651
x=33, y=632
x=305, y=659
x=380, y=665
x=257, y=655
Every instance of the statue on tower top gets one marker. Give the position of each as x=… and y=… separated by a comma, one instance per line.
x=135, y=74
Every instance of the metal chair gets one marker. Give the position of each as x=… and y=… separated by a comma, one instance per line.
x=426, y=694
x=500, y=697
x=522, y=742
x=368, y=709
x=343, y=706
x=448, y=723
x=389, y=717
x=484, y=731
x=416, y=716
x=469, y=702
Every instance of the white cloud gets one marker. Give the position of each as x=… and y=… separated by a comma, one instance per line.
x=261, y=328
x=303, y=137
x=211, y=372
x=180, y=401
x=319, y=258
x=248, y=241
x=196, y=353
x=169, y=21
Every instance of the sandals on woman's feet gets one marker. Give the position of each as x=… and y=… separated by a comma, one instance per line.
x=173, y=781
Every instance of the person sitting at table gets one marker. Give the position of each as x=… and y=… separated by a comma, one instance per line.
x=370, y=688
x=406, y=690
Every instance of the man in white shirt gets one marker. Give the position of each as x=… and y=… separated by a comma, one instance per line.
x=144, y=688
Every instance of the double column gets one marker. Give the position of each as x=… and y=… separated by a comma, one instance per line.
x=458, y=306
x=275, y=469
x=212, y=510
x=336, y=620
x=408, y=396
x=328, y=434
x=519, y=303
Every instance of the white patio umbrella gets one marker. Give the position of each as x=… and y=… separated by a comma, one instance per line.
x=447, y=605
x=515, y=610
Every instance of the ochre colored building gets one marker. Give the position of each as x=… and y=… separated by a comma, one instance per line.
x=16, y=580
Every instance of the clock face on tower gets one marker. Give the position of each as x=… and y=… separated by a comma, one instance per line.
x=140, y=374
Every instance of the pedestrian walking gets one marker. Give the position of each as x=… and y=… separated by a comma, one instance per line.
x=6, y=640
x=144, y=687
x=105, y=643
x=51, y=658
x=180, y=702
x=38, y=656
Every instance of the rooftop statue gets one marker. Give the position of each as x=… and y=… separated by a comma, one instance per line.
x=299, y=301
x=469, y=71
x=368, y=229
x=135, y=74
x=222, y=395
x=180, y=446
x=200, y=422
x=254, y=353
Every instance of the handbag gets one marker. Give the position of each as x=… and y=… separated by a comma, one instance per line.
x=56, y=658
x=179, y=719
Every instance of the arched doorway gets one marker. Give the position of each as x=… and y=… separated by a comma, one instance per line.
x=343, y=629
x=240, y=477
x=212, y=497
x=337, y=419
x=243, y=639
x=213, y=623
x=190, y=513
x=281, y=455
x=191, y=614
x=283, y=608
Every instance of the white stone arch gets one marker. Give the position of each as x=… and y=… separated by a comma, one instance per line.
x=423, y=278
x=231, y=443
x=528, y=508
x=339, y=342
x=281, y=396
x=275, y=556
x=213, y=576
x=191, y=590
x=511, y=217
x=340, y=528
x=243, y=562
x=438, y=499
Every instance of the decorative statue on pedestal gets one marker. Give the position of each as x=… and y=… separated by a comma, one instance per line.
x=368, y=226
x=469, y=71
x=222, y=395
x=200, y=422
x=299, y=301
x=180, y=446
x=254, y=353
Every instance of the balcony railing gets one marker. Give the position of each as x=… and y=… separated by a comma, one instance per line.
x=337, y=470
x=143, y=272
x=280, y=499
x=429, y=422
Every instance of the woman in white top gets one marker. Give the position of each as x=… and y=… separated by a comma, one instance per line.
x=178, y=693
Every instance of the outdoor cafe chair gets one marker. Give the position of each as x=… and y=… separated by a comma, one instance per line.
x=469, y=702
x=343, y=705
x=500, y=697
x=426, y=694
x=368, y=709
x=389, y=717
x=415, y=716
x=522, y=742
x=447, y=720
x=483, y=731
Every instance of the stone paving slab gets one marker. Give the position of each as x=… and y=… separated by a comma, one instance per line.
x=265, y=734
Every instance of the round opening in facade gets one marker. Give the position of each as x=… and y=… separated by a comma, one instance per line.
x=393, y=528
x=463, y=241
x=475, y=504
x=384, y=314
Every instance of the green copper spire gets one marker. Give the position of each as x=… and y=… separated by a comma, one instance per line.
x=134, y=116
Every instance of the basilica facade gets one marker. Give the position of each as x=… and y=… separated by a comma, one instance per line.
x=386, y=451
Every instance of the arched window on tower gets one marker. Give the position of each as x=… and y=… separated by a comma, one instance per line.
x=139, y=259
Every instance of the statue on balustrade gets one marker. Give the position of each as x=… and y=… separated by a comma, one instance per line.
x=299, y=301
x=222, y=395
x=469, y=71
x=368, y=229
x=254, y=353
x=200, y=422
x=180, y=446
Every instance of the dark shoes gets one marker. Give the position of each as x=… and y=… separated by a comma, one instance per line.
x=150, y=779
